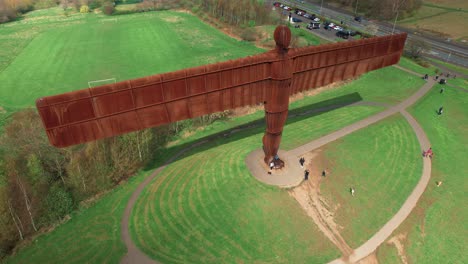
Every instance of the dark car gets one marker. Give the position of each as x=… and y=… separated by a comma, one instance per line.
x=296, y=20
x=358, y=19
x=343, y=34
x=443, y=81
x=276, y=4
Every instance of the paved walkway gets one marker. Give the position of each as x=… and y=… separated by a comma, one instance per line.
x=134, y=255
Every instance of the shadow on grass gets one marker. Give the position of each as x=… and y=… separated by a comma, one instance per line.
x=174, y=153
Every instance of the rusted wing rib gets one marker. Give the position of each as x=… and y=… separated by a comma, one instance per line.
x=110, y=110
x=316, y=66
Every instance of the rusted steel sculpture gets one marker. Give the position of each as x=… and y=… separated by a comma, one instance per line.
x=269, y=78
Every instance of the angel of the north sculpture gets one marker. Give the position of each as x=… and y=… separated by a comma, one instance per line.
x=269, y=78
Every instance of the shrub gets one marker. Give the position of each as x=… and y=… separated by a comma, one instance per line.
x=108, y=9
x=84, y=9
x=59, y=202
x=249, y=34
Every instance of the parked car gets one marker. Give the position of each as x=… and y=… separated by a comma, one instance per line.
x=332, y=25
x=306, y=15
x=342, y=34
x=300, y=12
x=316, y=19
x=296, y=20
x=337, y=28
x=276, y=4
x=358, y=19
x=313, y=25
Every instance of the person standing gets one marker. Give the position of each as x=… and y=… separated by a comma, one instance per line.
x=306, y=175
x=441, y=110
x=352, y=191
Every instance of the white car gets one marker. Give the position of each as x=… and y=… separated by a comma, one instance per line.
x=316, y=19
x=338, y=28
x=332, y=25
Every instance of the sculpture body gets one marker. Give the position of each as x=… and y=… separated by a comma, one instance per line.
x=269, y=78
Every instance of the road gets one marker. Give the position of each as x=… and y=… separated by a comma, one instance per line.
x=439, y=48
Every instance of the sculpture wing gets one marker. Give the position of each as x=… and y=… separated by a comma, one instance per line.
x=316, y=66
x=110, y=110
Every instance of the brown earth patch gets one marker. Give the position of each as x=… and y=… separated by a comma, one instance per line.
x=399, y=241
x=317, y=207
x=371, y=259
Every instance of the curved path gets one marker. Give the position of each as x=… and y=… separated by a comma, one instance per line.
x=135, y=255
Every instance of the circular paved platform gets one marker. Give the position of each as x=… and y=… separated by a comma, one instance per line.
x=290, y=176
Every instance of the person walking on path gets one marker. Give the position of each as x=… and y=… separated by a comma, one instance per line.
x=442, y=90
x=352, y=191
x=301, y=161
x=426, y=76
x=306, y=175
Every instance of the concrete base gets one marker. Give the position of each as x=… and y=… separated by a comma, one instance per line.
x=290, y=176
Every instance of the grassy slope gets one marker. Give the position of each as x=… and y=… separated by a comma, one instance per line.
x=206, y=207
x=388, y=177
x=65, y=58
x=201, y=191
x=437, y=226
x=411, y=65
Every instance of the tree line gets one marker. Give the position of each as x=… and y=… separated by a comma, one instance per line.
x=382, y=9
x=41, y=184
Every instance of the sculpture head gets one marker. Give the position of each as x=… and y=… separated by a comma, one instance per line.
x=282, y=37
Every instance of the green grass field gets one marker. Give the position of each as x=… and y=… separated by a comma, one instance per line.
x=91, y=47
x=383, y=163
x=436, y=230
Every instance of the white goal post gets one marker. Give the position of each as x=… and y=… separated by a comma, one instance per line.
x=95, y=83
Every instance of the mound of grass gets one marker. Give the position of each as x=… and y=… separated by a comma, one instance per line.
x=65, y=58
x=437, y=228
x=383, y=163
x=206, y=207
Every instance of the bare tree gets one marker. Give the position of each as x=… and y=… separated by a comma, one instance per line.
x=416, y=47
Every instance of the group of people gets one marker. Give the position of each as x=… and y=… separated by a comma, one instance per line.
x=307, y=172
x=428, y=153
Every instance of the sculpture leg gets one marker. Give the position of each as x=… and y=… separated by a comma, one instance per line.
x=272, y=138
